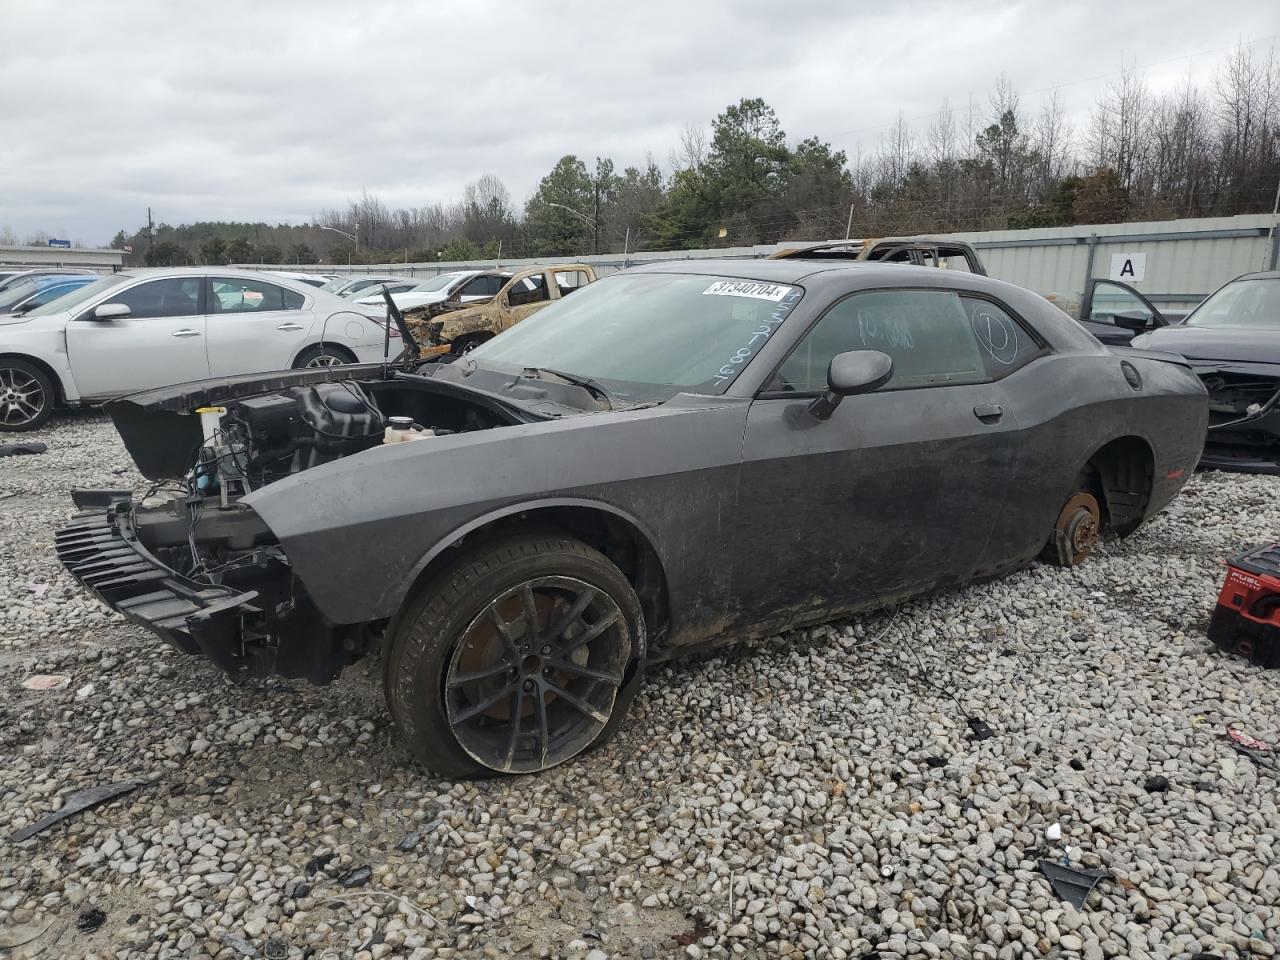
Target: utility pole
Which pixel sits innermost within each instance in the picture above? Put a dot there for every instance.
(151, 231)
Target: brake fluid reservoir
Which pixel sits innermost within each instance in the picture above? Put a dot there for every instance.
(401, 429)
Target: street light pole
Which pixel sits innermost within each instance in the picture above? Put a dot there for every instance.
(848, 229)
(581, 216)
(353, 238)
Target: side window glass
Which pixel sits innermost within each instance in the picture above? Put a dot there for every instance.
(170, 297)
(478, 287)
(292, 299)
(927, 333)
(529, 290)
(234, 295)
(1005, 344)
(570, 280)
(1111, 298)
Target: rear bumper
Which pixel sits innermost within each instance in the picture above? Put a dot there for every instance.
(99, 550)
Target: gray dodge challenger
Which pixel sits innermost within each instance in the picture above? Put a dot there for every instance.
(676, 456)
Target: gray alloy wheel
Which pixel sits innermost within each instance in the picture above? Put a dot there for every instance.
(322, 356)
(534, 678)
(519, 654)
(26, 396)
(325, 360)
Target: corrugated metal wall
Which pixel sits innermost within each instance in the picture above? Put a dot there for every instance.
(1185, 259)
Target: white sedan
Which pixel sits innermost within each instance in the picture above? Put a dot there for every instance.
(465, 286)
(142, 329)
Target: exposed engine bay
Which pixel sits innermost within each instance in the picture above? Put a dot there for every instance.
(261, 439)
(194, 546)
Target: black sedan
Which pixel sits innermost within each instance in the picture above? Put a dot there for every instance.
(676, 456)
(1232, 340)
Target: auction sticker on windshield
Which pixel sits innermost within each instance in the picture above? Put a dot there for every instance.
(747, 288)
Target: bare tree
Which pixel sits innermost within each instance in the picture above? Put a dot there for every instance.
(1051, 144)
(1118, 134)
(690, 151)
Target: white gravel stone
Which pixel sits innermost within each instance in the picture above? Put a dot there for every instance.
(836, 789)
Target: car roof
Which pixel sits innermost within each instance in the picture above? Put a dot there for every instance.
(153, 273)
(1260, 275)
(778, 271)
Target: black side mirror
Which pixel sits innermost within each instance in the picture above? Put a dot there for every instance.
(1135, 320)
(858, 371)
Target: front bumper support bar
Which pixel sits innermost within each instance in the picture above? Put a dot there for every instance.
(98, 548)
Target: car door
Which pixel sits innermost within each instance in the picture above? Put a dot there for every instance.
(255, 325)
(899, 490)
(159, 342)
(526, 294)
(1104, 299)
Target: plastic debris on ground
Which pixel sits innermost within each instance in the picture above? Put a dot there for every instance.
(1071, 884)
(77, 803)
(22, 449)
(90, 920)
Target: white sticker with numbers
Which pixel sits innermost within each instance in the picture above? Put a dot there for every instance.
(747, 288)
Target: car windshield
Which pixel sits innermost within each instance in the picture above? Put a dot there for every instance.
(1253, 304)
(358, 285)
(19, 291)
(48, 292)
(336, 284)
(649, 335)
(436, 283)
(77, 297)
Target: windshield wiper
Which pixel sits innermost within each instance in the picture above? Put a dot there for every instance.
(591, 386)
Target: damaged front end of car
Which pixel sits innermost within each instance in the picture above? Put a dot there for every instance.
(1244, 416)
(210, 582)
(192, 561)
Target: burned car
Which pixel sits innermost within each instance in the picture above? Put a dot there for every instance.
(458, 327)
(676, 456)
(1232, 341)
(920, 251)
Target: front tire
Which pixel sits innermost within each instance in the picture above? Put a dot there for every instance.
(26, 396)
(469, 342)
(515, 658)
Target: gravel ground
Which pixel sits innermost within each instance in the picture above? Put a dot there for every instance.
(811, 795)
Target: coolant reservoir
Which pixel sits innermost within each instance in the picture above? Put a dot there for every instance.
(401, 429)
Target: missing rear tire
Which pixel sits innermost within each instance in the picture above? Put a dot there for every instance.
(1076, 532)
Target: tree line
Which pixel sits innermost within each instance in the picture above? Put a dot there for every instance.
(1197, 151)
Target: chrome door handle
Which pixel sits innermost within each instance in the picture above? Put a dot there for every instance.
(988, 412)
(289, 326)
(186, 333)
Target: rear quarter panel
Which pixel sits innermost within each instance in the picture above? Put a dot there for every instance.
(1069, 407)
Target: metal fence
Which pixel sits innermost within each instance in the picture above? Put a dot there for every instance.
(1174, 263)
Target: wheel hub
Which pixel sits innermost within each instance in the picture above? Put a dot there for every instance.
(21, 397)
(532, 681)
(1076, 532)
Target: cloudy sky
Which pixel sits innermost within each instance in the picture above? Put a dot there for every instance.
(275, 110)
